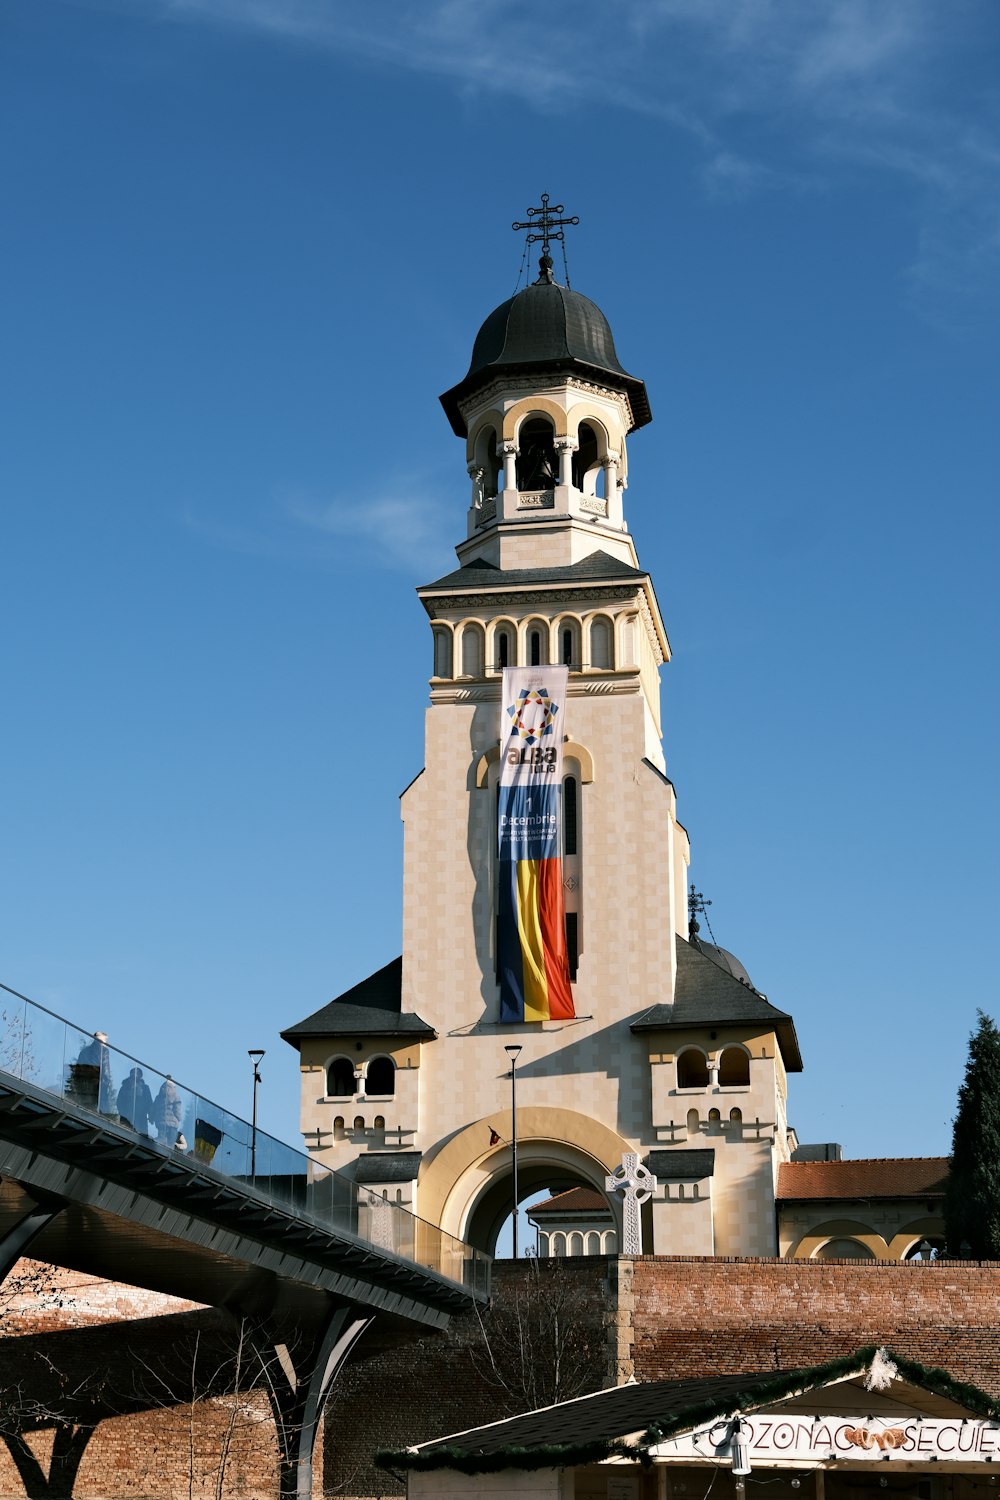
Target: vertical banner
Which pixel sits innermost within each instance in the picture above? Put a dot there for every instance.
(531, 930)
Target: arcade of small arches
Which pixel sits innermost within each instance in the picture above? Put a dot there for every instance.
(536, 446)
(595, 642)
(851, 1239)
(557, 1243)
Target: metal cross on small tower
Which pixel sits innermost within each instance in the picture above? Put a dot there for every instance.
(544, 224)
(636, 1184)
(696, 903)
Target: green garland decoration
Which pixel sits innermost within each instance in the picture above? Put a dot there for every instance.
(541, 1456)
(762, 1393)
(758, 1393)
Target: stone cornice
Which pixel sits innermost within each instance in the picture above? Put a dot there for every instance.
(573, 593)
(486, 395)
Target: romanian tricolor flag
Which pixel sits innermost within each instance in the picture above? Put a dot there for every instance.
(531, 931)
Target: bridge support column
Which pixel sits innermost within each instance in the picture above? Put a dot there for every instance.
(298, 1394)
(16, 1241)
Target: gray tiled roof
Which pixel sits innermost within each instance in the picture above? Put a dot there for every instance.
(371, 1008)
(656, 1410)
(708, 995)
(607, 1415)
(388, 1166)
(596, 567)
(681, 1165)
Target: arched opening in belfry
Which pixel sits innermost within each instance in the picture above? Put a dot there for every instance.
(488, 459)
(537, 464)
(587, 461)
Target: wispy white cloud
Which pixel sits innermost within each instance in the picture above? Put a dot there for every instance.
(401, 529)
(778, 94)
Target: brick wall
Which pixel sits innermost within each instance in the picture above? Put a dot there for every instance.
(395, 1393)
(149, 1399)
(654, 1317)
(687, 1317)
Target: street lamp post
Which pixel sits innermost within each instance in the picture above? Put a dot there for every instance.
(512, 1052)
(255, 1054)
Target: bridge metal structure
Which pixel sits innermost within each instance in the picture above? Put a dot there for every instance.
(235, 1219)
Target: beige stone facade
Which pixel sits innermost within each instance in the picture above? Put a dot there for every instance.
(673, 1054)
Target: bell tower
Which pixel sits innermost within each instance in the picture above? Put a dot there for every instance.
(546, 409)
(549, 581)
(548, 576)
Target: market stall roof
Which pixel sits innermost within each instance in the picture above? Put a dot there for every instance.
(630, 1421)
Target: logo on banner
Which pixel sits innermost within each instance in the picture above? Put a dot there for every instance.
(533, 714)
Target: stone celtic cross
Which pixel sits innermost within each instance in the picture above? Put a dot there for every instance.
(636, 1184)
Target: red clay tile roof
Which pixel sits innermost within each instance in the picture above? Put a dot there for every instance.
(884, 1177)
(574, 1201)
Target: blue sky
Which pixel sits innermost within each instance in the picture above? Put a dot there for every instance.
(246, 243)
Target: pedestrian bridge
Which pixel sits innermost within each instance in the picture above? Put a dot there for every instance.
(112, 1167)
(115, 1169)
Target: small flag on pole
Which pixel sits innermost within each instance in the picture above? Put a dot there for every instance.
(494, 1138)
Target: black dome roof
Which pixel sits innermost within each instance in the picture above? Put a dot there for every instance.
(552, 327)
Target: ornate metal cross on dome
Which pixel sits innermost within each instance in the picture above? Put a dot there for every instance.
(636, 1183)
(544, 224)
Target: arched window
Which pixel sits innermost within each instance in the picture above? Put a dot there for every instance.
(338, 1128)
(611, 1242)
(504, 644)
(359, 1123)
(575, 1246)
(558, 1243)
(340, 1081)
(736, 1117)
(692, 1069)
(571, 815)
(573, 868)
(442, 652)
(381, 1077)
(734, 1068)
(537, 464)
(693, 1122)
(472, 650)
(593, 1243)
(714, 1117)
(569, 645)
(537, 640)
(380, 1122)
(601, 652)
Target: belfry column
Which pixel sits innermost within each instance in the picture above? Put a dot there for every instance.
(612, 489)
(508, 452)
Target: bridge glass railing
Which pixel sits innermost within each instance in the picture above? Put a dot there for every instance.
(83, 1069)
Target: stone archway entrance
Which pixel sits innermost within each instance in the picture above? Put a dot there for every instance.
(494, 1204)
(466, 1186)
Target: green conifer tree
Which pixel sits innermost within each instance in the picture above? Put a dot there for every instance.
(972, 1201)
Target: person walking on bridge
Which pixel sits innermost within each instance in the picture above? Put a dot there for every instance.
(135, 1102)
(90, 1082)
(168, 1112)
